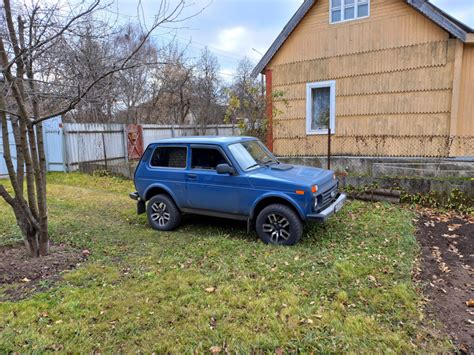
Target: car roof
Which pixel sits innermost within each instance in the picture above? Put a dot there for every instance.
(205, 140)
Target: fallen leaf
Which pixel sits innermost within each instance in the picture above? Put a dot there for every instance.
(215, 349)
(372, 278)
(470, 303)
(210, 289)
(453, 227)
(25, 279)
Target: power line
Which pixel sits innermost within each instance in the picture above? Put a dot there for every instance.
(198, 45)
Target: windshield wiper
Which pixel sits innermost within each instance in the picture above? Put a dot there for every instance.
(252, 166)
(267, 162)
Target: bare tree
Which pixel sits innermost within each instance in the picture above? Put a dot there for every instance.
(134, 86)
(246, 102)
(28, 34)
(173, 85)
(208, 90)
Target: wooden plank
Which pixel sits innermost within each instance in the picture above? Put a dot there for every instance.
(411, 80)
(378, 62)
(456, 93)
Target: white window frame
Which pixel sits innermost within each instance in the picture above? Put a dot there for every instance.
(332, 106)
(343, 6)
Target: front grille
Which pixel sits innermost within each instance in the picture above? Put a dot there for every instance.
(325, 199)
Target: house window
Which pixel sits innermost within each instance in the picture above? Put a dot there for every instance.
(347, 10)
(321, 107)
(169, 157)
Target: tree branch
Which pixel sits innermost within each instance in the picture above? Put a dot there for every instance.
(79, 97)
(19, 53)
(6, 196)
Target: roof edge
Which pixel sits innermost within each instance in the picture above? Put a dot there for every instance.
(283, 36)
(455, 27)
(450, 24)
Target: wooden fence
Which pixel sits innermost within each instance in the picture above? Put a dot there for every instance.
(69, 144)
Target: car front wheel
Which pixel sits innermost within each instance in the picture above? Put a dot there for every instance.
(163, 215)
(279, 224)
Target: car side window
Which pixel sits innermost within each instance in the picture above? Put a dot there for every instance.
(206, 158)
(169, 157)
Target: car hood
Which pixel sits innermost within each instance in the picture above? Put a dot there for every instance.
(295, 175)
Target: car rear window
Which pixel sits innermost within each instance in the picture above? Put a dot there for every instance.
(169, 157)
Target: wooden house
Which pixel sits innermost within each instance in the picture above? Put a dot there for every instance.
(388, 77)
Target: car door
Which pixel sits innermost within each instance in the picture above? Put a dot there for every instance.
(205, 188)
(167, 166)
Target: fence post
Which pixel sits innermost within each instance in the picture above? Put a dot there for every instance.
(65, 150)
(329, 148)
(105, 151)
(125, 143)
(172, 130)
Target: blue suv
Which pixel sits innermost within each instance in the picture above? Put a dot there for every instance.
(232, 177)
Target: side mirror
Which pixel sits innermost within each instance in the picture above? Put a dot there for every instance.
(225, 169)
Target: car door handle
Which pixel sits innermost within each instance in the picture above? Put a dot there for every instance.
(192, 176)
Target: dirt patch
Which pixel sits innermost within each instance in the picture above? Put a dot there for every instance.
(22, 275)
(447, 274)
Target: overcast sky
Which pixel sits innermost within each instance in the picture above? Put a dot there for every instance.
(233, 29)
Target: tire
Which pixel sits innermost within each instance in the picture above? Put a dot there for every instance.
(162, 213)
(279, 224)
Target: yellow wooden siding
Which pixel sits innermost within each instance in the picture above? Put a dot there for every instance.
(391, 60)
(394, 78)
(433, 146)
(466, 105)
(392, 24)
(420, 79)
(405, 125)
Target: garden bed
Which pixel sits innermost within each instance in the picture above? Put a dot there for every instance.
(447, 274)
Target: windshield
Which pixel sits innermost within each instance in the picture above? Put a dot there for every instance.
(251, 154)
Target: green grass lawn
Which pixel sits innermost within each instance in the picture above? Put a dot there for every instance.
(345, 287)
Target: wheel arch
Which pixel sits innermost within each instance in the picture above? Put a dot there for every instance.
(158, 189)
(270, 199)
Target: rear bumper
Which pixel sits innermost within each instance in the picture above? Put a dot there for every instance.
(329, 211)
(141, 206)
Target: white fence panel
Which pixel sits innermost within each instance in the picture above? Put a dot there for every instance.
(93, 142)
(53, 144)
(152, 133)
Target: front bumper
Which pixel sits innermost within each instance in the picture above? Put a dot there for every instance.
(335, 207)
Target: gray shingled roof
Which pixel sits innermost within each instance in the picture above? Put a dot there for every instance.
(453, 26)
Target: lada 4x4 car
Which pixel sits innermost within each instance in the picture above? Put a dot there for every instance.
(232, 177)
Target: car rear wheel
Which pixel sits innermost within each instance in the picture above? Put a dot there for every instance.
(163, 215)
(279, 224)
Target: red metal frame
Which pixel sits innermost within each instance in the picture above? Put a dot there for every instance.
(135, 141)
